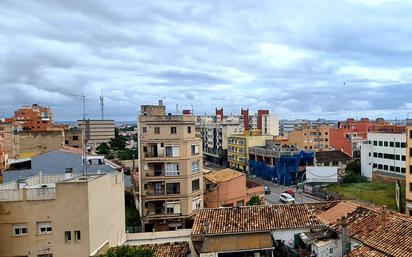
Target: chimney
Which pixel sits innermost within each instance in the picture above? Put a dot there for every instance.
(160, 102)
(384, 218)
(344, 224)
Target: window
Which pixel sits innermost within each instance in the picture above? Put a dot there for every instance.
(398, 169)
(157, 130)
(66, 142)
(172, 151)
(403, 170)
(385, 167)
(195, 185)
(403, 145)
(375, 142)
(392, 168)
(173, 130)
(172, 207)
(144, 129)
(375, 165)
(375, 154)
(391, 144)
(398, 157)
(380, 143)
(75, 138)
(195, 167)
(380, 155)
(195, 149)
(410, 184)
(172, 169)
(330, 250)
(398, 144)
(189, 130)
(196, 203)
(19, 229)
(403, 157)
(385, 143)
(44, 228)
(380, 166)
(173, 188)
(67, 236)
(410, 134)
(77, 235)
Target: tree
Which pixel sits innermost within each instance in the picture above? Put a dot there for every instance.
(128, 251)
(117, 143)
(254, 200)
(125, 154)
(103, 148)
(353, 173)
(353, 167)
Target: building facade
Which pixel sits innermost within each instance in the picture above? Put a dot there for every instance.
(62, 215)
(230, 188)
(34, 118)
(384, 152)
(310, 137)
(408, 174)
(238, 148)
(170, 169)
(97, 131)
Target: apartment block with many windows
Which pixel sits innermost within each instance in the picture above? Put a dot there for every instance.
(384, 152)
(311, 136)
(62, 215)
(171, 174)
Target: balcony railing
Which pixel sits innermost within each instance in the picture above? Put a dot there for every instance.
(159, 192)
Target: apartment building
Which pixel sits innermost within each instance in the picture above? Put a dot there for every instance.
(310, 136)
(97, 131)
(62, 215)
(73, 138)
(238, 148)
(408, 174)
(35, 118)
(214, 131)
(171, 170)
(384, 152)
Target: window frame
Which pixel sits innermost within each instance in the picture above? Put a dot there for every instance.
(21, 227)
(47, 225)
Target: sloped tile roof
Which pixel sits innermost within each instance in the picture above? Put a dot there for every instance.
(364, 251)
(254, 218)
(336, 212)
(331, 156)
(175, 249)
(223, 175)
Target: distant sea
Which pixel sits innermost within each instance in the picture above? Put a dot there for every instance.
(117, 122)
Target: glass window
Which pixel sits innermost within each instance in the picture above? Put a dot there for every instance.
(189, 130)
(173, 188)
(398, 157)
(195, 185)
(67, 236)
(144, 129)
(385, 143)
(403, 157)
(44, 228)
(77, 235)
(375, 154)
(195, 167)
(172, 169)
(157, 130)
(19, 229)
(391, 144)
(172, 207)
(380, 143)
(380, 166)
(403, 170)
(375, 142)
(196, 203)
(385, 167)
(195, 149)
(75, 138)
(172, 151)
(392, 168)
(397, 144)
(380, 155)
(403, 145)
(173, 130)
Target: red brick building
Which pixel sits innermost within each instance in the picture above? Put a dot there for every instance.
(351, 133)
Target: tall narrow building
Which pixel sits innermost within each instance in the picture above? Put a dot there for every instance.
(408, 174)
(170, 169)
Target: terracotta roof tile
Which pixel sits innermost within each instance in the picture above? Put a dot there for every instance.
(223, 175)
(337, 212)
(364, 251)
(176, 249)
(254, 218)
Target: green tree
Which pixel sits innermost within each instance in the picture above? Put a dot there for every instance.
(117, 143)
(254, 200)
(353, 173)
(103, 148)
(128, 251)
(125, 154)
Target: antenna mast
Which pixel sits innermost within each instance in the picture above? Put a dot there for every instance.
(102, 104)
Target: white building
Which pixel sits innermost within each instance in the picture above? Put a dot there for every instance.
(385, 152)
(270, 124)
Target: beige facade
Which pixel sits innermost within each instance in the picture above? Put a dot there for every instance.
(170, 169)
(408, 174)
(8, 137)
(238, 149)
(97, 131)
(27, 144)
(61, 216)
(314, 137)
(73, 138)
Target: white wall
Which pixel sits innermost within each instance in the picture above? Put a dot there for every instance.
(367, 153)
(288, 235)
(322, 174)
(270, 124)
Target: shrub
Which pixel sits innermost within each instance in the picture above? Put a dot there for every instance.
(128, 251)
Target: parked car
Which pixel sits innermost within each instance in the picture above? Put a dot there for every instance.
(286, 198)
(290, 191)
(267, 190)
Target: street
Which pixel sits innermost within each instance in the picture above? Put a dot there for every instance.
(276, 190)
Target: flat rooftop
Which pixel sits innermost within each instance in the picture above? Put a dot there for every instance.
(223, 175)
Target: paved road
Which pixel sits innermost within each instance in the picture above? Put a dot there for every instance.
(276, 190)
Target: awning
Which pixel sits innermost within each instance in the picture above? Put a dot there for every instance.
(240, 242)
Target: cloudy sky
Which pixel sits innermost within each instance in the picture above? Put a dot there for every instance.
(301, 59)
